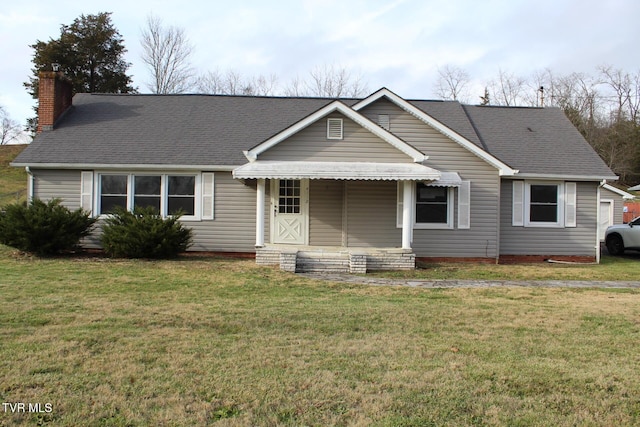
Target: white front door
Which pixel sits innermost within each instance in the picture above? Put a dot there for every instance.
(606, 216)
(289, 208)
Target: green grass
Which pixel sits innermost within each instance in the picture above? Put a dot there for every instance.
(202, 341)
(13, 181)
(610, 268)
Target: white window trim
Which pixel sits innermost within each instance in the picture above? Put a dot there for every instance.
(560, 205)
(164, 191)
(449, 225)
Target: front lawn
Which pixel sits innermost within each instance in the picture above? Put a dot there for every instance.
(610, 268)
(202, 341)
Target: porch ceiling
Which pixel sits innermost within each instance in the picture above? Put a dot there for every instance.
(337, 170)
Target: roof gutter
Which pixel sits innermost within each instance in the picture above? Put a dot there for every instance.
(568, 177)
(108, 166)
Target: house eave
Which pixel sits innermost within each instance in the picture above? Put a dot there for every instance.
(561, 177)
(624, 194)
(503, 168)
(125, 166)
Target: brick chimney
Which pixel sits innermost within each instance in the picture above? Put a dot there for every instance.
(54, 98)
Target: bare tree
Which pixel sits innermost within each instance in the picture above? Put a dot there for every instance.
(232, 82)
(166, 51)
(296, 87)
(507, 89)
(263, 85)
(452, 84)
(327, 81)
(212, 82)
(9, 129)
(625, 88)
(333, 82)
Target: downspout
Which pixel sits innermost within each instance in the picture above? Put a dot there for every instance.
(598, 221)
(30, 184)
(499, 219)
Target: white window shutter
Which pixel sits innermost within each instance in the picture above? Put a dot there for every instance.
(570, 204)
(86, 191)
(399, 204)
(207, 195)
(518, 204)
(464, 205)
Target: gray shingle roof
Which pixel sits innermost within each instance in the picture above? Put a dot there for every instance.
(214, 130)
(536, 141)
(165, 129)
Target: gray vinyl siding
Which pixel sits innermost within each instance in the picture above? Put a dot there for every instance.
(579, 240)
(234, 224)
(371, 214)
(481, 240)
(61, 184)
(618, 204)
(325, 212)
(358, 144)
(231, 230)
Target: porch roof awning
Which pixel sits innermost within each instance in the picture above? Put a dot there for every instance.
(447, 179)
(336, 170)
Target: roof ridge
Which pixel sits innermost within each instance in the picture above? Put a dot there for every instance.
(219, 95)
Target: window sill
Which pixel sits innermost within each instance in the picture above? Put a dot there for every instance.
(432, 227)
(543, 225)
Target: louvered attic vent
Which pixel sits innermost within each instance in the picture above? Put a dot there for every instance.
(383, 121)
(334, 128)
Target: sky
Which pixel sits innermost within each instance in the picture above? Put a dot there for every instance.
(398, 44)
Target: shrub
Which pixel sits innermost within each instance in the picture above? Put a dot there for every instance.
(43, 228)
(144, 234)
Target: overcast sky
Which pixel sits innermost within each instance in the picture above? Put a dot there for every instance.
(397, 44)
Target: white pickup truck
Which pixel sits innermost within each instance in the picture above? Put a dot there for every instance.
(618, 238)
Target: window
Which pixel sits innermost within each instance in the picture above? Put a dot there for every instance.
(334, 128)
(544, 204)
(167, 194)
(289, 197)
(431, 204)
(113, 193)
(182, 195)
(147, 192)
(434, 206)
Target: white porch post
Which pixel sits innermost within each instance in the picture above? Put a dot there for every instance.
(407, 222)
(260, 213)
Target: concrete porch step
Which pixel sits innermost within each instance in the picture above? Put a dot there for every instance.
(322, 262)
(312, 259)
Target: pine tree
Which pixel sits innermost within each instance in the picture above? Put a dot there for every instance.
(484, 100)
(90, 52)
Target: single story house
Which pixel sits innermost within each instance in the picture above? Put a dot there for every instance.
(354, 184)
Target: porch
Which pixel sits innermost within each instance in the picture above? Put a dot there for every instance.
(336, 259)
(344, 216)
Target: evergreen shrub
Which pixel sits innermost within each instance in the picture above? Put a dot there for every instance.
(43, 228)
(144, 234)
